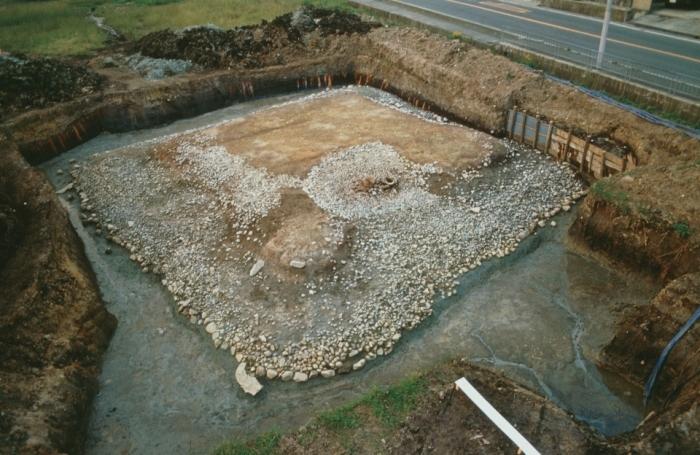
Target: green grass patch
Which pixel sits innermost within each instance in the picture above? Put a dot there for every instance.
(389, 406)
(265, 444)
(672, 116)
(606, 191)
(62, 27)
(527, 60)
(58, 27)
(682, 229)
(392, 405)
(343, 418)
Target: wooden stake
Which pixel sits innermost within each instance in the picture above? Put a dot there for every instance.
(568, 146)
(537, 132)
(550, 130)
(582, 165)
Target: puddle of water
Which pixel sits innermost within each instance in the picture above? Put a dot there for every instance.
(538, 315)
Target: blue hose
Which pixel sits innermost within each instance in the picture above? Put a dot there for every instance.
(649, 386)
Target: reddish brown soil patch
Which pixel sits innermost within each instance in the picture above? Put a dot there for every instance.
(53, 326)
(292, 139)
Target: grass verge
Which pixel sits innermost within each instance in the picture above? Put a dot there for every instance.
(58, 27)
(373, 416)
(265, 444)
(62, 27)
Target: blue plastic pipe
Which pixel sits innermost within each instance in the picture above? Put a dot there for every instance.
(649, 386)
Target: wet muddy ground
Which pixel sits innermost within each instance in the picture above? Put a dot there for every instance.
(540, 314)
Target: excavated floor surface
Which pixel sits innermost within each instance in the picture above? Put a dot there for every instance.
(306, 238)
(156, 355)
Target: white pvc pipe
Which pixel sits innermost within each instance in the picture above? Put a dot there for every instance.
(496, 417)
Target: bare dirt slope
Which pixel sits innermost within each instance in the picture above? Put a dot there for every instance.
(53, 325)
(441, 420)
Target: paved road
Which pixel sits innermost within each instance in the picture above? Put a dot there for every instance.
(651, 58)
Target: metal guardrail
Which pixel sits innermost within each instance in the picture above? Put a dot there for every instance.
(685, 85)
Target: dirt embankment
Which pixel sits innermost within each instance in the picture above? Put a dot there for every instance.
(53, 325)
(280, 41)
(652, 234)
(674, 426)
(432, 419)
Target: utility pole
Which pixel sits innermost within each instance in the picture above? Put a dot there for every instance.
(603, 35)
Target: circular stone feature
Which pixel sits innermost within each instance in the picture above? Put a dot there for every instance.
(361, 181)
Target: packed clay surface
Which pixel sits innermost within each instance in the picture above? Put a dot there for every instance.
(307, 237)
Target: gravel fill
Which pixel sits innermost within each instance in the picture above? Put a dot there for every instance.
(196, 215)
(157, 68)
(332, 183)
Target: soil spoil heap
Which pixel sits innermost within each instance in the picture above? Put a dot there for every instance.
(251, 46)
(29, 83)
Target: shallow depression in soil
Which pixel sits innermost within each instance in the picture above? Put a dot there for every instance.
(538, 314)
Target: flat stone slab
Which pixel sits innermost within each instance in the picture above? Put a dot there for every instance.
(248, 383)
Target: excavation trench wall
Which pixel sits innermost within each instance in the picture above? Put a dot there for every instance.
(42, 135)
(478, 86)
(643, 246)
(467, 84)
(644, 96)
(53, 325)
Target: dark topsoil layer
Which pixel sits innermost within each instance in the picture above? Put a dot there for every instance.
(252, 46)
(443, 420)
(27, 83)
(427, 415)
(53, 327)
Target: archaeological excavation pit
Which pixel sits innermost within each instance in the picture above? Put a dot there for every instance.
(307, 237)
(195, 259)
